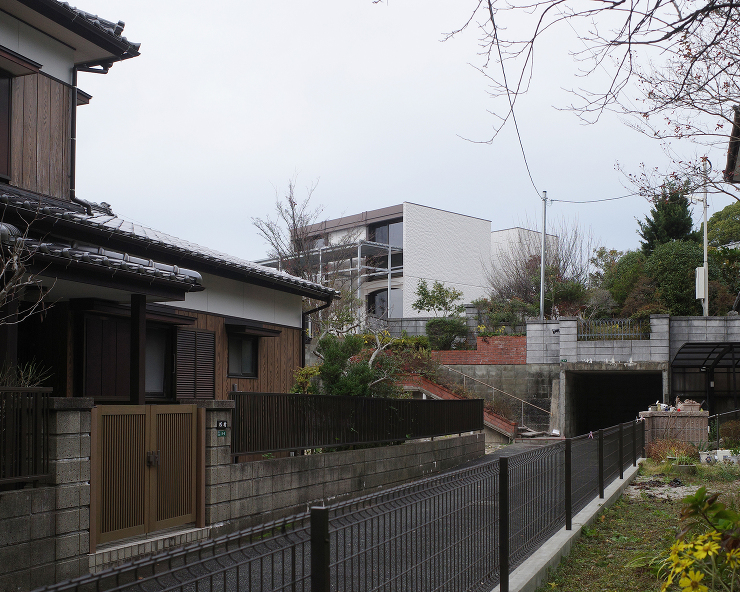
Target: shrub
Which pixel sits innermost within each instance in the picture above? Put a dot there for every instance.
(444, 332)
(730, 433)
(660, 450)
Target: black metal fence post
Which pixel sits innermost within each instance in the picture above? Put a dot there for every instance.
(621, 451)
(320, 551)
(634, 443)
(601, 464)
(568, 484)
(503, 524)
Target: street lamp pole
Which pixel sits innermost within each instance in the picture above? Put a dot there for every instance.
(542, 257)
(705, 303)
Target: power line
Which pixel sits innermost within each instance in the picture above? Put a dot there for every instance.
(594, 200)
(508, 96)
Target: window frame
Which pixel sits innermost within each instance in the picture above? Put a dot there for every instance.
(255, 354)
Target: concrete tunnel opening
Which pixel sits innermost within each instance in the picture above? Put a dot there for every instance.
(596, 400)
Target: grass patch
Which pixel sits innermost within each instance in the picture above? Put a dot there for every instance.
(634, 528)
(620, 534)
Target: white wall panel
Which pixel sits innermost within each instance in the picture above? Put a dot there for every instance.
(56, 58)
(238, 299)
(446, 247)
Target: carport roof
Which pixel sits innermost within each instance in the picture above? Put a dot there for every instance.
(708, 355)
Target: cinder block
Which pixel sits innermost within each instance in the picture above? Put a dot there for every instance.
(65, 422)
(68, 569)
(15, 557)
(64, 446)
(43, 551)
(66, 471)
(43, 499)
(43, 525)
(67, 546)
(18, 581)
(217, 494)
(42, 575)
(68, 496)
(15, 503)
(15, 530)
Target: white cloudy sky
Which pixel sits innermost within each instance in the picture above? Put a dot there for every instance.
(229, 100)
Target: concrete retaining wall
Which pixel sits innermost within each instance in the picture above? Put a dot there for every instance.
(244, 494)
(44, 530)
(532, 382)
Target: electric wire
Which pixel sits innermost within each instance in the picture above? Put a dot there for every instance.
(588, 201)
(508, 96)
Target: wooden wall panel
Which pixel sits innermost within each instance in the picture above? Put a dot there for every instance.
(279, 358)
(41, 121)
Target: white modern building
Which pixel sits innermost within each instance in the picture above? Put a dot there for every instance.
(388, 251)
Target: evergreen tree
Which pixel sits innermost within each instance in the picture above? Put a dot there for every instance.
(669, 218)
(724, 226)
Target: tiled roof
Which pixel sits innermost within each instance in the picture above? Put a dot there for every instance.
(101, 217)
(99, 257)
(109, 27)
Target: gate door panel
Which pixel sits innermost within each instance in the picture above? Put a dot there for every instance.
(123, 478)
(172, 488)
(145, 470)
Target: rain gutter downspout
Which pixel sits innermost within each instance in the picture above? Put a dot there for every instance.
(304, 316)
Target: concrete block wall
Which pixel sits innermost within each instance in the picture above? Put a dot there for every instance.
(543, 345)
(44, 530)
(241, 495)
(683, 329)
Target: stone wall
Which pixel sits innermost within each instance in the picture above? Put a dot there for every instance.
(44, 530)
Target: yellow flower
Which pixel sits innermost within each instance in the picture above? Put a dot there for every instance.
(690, 582)
(667, 583)
(701, 550)
(733, 558)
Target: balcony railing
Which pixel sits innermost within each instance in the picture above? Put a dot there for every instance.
(613, 329)
(24, 434)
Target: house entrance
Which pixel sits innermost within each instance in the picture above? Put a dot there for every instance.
(144, 469)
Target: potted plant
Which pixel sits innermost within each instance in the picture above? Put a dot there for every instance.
(684, 464)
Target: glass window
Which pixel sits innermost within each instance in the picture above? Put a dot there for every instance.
(388, 233)
(243, 355)
(156, 359)
(395, 234)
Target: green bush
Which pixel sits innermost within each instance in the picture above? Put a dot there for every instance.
(671, 266)
(444, 332)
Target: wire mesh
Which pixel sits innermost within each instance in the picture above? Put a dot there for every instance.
(611, 454)
(585, 471)
(536, 499)
(441, 535)
(273, 557)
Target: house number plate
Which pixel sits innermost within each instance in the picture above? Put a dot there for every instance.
(221, 424)
(221, 433)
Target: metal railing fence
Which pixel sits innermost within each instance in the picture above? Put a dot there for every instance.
(465, 530)
(613, 329)
(274, 422)
(716, 421)
(24, 434)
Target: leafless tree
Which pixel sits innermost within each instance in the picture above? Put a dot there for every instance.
(515, 274)
(295, 243)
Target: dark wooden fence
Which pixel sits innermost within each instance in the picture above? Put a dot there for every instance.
(273, 422)
(24, 434)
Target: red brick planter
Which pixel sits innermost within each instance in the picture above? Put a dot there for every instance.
(501, 349)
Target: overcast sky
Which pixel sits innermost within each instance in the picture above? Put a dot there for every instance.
(229, 100)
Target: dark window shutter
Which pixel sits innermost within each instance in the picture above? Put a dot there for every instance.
(196, 365)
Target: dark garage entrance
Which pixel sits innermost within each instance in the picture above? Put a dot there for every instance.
(600, 399)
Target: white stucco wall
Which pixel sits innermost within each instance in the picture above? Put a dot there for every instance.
(446, 247)
(510, 241)
(237, 299)
(57, 59)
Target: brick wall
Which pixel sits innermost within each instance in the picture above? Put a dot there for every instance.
(44, 530)
(502, 349)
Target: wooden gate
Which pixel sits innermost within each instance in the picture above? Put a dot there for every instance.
(145, 472)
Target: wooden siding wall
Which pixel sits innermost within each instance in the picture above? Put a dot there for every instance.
(40, 135)
(279, 357)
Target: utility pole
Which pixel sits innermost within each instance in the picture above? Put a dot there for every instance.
(542, 257)
(705, 302)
